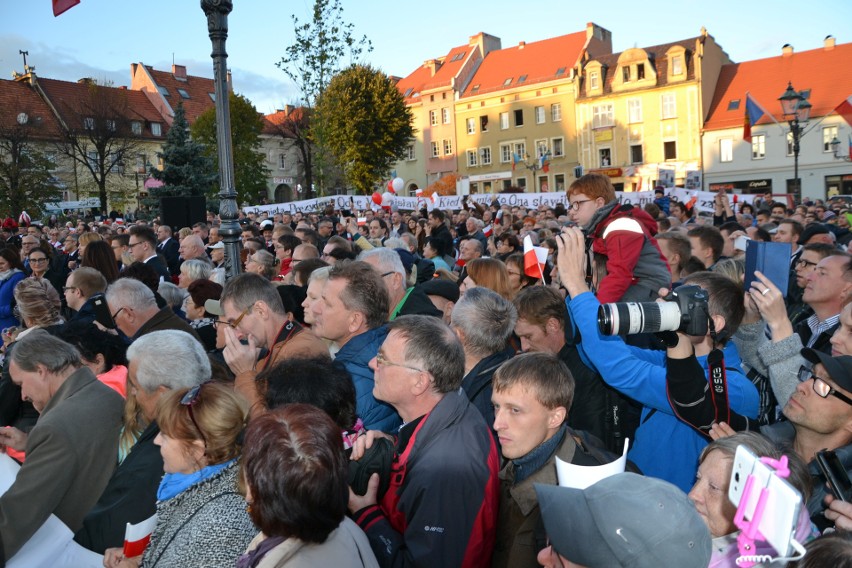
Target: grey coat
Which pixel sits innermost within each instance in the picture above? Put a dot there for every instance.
(205, 526)
(779, 361)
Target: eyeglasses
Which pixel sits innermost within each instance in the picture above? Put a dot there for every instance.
(66, 288)
(805, 263)
(115, 315)
(189, 400)
(821, 387)
(575, 205)
(382, 361)
(38, 260)
(236, 322)
(131, 245)
(388, 273)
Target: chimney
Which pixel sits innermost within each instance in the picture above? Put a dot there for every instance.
(230, 83)
(87, 81)
(179, 72)
(829, 42)
(787, 50)
(521, 44)
(433, 65)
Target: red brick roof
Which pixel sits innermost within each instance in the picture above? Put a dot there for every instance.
(18, 97)
(67, 98)
(535, 62)
(656, 57)
(825, 72)
(198, 89)
(273, 123)
(422, 79)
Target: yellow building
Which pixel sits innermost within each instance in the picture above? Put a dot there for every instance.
(643, 110)
(514, 119)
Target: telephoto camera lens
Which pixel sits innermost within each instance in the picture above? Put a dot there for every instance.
(630, 318)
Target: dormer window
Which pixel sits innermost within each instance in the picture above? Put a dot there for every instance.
(89, 123)
(640, 71)
(163, 91)
(625, 73)
(136, 127)
(677, 65)
(156, 129)
(110, 125)
(594, 80)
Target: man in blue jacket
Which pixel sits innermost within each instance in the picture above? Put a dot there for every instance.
(664, 447)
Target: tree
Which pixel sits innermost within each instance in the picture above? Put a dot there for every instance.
(250, 171)
(26, 181)
(367, 122)
(310, 62)
(98, 134)
(187, 169)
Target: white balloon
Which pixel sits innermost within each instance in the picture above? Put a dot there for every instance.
(398, 184)
(387, 199)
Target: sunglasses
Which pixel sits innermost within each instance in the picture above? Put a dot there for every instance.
(189, 400)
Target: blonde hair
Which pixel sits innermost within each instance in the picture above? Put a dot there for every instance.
(87, 238)
(38, 301)
(183, 233)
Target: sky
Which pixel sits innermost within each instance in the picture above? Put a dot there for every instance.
(101, 38)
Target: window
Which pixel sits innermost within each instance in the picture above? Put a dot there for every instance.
(539, 115)
(282, 162)
(409, 152)
(485, 156)
(433, 117)
(505, 153)
(156, 129)
(445, 115)
(521, 183)
(507, 82)
(734, 104)
(669, 106)
(212, 96)
(726, 150)
(594, 82)
(141, 162)
(677, 65)
(634, 111)
(520, 148)
(636, 156)
(504, 120)
(670, 150)
(92, 158)
(471, 125)
(625, 73)
(540, 148)
(163, 91)
(136, 127)
(559, 182)
(519, 117)
(640, 71)
(758, 146)
(556, 112)
(602, 116)
(89, 123)
(471, 158)
(183, 94)
(110, 125)
(483, 123)
(408, 92)
(558, 147)
(51, 158)
(448, 147)
(522, 79)
(436, 152)
(789, 144)
(829, 133)
(605, 157)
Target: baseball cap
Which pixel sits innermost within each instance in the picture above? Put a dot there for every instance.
(218, 245)
(812, 230)
(839, 368)
(439, 287)
(214, 307)
(625, 520)
(266, 224)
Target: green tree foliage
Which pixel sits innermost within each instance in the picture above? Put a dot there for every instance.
(319, 51)
(26, 181)
(187, 169)
(250, 172)
(367, 123)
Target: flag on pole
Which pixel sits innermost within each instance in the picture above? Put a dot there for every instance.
(844, 109)
(753, 113)
(850, 147)
(136, 536)
(515, 159)
(534, 259)
(60, 6)
(543, 163)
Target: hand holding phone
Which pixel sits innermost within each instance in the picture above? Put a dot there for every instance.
(102, 313)
(835, 474)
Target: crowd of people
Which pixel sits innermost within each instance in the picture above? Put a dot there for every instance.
(399, 388)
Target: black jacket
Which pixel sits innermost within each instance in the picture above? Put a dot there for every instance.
(86, 313)
(129, 497)
(157, 264)
(419, 303)
(477, 384)
(169, 251)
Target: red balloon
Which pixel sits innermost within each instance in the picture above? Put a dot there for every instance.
(377, 198)
(390, 186)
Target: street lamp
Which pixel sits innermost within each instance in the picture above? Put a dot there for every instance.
(797, 111)
(835, 148)
(539, 163)
(217, 28)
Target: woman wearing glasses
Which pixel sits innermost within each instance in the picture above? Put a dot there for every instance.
(40, 260)
(201, 516)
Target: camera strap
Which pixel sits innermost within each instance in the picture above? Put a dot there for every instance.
(718, 382)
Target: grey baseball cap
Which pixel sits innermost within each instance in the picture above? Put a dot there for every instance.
(625, 520)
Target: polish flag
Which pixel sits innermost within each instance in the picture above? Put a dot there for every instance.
(136, 537)
(534, 259)
(434, 197)
(488, 231)
(844, 109)
(418, 192)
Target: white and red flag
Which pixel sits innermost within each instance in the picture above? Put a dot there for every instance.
(534, 259)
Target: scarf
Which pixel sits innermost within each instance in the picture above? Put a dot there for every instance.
(6, 274)
(527, 465)
(173, 484)
(253, 557)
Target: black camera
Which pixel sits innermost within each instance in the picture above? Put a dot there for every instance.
(685, 309)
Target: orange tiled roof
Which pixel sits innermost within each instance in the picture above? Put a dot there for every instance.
(656, 57)
(422, 79)
(18, 97)
(535, 62)
(824, 72)
(198, 90)
(272, 123)
(67, 96)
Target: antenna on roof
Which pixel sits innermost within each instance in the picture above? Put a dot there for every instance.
(25, 53)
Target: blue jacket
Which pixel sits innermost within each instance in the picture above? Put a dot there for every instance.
(664, 447)
(356, 356)
(7, 289)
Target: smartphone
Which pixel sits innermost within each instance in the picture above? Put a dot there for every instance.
(835, 474)
(778, 523)
(102, 313)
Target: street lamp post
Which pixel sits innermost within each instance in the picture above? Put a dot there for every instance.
(217, 27)
(835, 150)
(797, 111)
(534, 165)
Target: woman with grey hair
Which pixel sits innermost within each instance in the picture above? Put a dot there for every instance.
(264, 263)
(192, 270)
